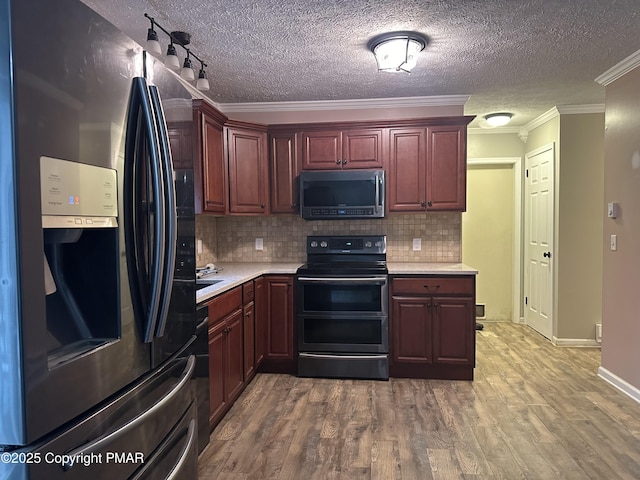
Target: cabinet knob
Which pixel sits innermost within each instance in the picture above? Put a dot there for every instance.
(338, 161)
(429, 203)
(423, 204)
(262, 205)
(344, 162)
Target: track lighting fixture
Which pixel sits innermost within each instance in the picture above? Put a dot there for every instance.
(187, 71)
(171, 59)
(203, 81)
(153, 45)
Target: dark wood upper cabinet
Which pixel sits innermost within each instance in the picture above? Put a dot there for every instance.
(447, 167)
(284, 168)
(248, 173)
(210, 166)
(406, 181)
(338, 149)
(428, 167)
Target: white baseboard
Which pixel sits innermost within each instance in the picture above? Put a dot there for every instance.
(620, 384)
(574, 342)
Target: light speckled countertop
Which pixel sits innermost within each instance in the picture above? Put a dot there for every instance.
(421, 268)
(234, 274)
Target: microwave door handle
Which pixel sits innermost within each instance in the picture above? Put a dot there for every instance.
(377, 193)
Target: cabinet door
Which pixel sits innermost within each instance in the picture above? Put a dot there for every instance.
(181, 144)
(322, 150)
(247, 171)
(217, 367)
(234, 380)
(213, 167)
(446, 168)
(284, 171)
(454, 330)
(248, 325)
(406, 181)
(362, 148)
(411, 330)
(260, 320)
(279, 293)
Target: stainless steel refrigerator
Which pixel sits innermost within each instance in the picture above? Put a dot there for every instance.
(97, 294)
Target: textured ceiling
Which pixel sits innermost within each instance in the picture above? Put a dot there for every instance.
(519, 56)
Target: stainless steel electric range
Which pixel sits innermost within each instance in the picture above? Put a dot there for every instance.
(343, 308)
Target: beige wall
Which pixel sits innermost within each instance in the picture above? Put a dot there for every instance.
(484, 145)
(488, 235)
(578, 140)
(580, 204)
(621, 272)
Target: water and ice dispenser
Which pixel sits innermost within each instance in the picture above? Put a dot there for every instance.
(79, 220)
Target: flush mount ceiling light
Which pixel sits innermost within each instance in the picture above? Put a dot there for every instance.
(498, 119)
(397, 51)
(171, 60)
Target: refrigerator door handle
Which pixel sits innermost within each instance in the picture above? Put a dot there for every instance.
(105, 440)
(177, 468)
(171, 218)
(145, 285)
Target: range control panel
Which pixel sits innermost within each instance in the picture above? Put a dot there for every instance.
(347, 244)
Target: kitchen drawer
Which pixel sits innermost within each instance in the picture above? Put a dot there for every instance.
(429, 285)
(247, 292)
(224, 304)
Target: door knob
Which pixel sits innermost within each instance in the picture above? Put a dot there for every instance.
(547, 254)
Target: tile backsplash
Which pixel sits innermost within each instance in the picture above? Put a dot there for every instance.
(233, 239)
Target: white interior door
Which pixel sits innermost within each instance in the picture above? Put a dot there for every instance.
(539, 239)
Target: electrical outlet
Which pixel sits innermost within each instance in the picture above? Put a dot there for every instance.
(417, 244)
(259, 244)
(199, 247)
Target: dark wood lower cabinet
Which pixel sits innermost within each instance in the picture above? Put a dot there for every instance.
(226, 359)
(432, 332)
(279, 335)
(432, 327)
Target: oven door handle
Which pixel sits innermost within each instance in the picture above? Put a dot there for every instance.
(345, 357)
(367, 280)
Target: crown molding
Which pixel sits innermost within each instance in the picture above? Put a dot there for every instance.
(294, 106)
(617, 71)
(580, 109)
(492, 131)
(542, 119)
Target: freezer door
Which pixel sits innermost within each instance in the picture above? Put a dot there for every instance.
(118, 440)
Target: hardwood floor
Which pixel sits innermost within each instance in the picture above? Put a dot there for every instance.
(534, 411)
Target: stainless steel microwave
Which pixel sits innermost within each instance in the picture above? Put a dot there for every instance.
(342, 194)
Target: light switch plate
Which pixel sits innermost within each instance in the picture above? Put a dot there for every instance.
(199, 247)
(614, 243)
(417, 244)
(259, 244)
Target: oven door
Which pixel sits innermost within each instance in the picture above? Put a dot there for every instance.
(342, 295)
(343, 333)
